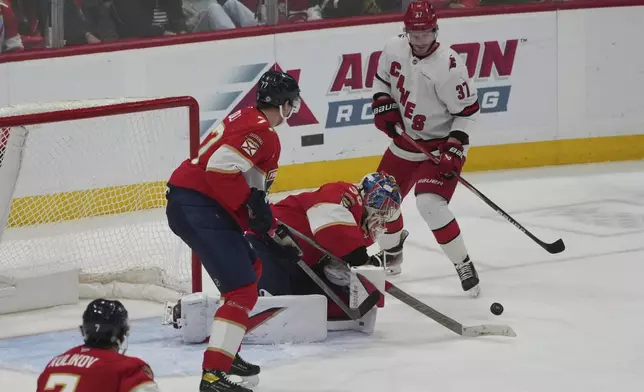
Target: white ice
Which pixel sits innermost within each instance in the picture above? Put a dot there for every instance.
(578, 315)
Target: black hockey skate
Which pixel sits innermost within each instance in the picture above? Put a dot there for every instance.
(218, 381)
(469, 277)
(248, 372)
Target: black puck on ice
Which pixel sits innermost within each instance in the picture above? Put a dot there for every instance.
(496, 308)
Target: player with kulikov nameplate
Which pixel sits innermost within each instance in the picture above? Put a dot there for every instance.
(215, 197)
(424, 88)
(100, 363)
(342, 218)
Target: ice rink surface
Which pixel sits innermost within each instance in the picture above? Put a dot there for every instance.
(578, 315)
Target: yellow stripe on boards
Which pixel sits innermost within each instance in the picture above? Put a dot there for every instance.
(498, 157)
(555, 152)
(33, 210)
(114, 200)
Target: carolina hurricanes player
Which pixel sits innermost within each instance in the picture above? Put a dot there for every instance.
(343, 218)
(424, 87)
(99, 365)
(214, 198)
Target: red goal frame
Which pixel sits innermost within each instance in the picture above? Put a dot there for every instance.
(145, 105)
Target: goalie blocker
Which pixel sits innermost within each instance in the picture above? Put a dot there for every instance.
(278, 319)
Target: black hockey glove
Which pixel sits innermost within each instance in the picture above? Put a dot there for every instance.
(290, 250)
(260, 216)
(358, 257)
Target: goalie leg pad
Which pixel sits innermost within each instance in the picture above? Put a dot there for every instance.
(273, 320)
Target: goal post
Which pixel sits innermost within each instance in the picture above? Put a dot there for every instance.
(82, 189)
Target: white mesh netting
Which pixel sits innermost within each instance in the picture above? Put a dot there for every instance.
(89, 194)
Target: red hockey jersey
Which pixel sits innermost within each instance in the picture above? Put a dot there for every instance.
(239, 154)
(84, 369)
(331, 215)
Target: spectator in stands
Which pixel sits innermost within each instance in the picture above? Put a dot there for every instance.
(10, 40)
(148, 18)
(30, 15)
(454, 3)
(88, 22)
(209, 15)
(307, 10)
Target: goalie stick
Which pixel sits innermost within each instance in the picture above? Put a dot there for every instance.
(554, 247)
(440, 318)
(355, 314)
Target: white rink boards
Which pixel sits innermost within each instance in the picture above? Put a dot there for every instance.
(577, 314)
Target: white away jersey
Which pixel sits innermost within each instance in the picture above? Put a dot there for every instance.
(435, 94)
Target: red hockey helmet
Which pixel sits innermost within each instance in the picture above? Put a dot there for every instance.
(421, 27)
(420, 15)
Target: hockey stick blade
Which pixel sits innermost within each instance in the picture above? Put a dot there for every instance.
(446, 321)
(553, 248)
(556, 247)
(488, 330)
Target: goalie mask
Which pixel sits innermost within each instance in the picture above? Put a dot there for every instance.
(381, 199)
(105, 325)
(421, 27)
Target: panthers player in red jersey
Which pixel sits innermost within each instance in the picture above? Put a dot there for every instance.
(425, 88)
(214, 198)
(343, 218)
(99, 365)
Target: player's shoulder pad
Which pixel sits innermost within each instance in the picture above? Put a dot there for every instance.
(136, 364)
(441, 65)
(257, 122)
(147, 370)
(396, 45)
(143, 367)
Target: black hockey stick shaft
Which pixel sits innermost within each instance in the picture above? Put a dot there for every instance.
(554, 247)
(355, 314)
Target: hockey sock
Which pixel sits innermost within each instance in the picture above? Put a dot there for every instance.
(229, 328)
(435, 210)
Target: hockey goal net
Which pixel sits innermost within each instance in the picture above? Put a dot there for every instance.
(82, 185)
